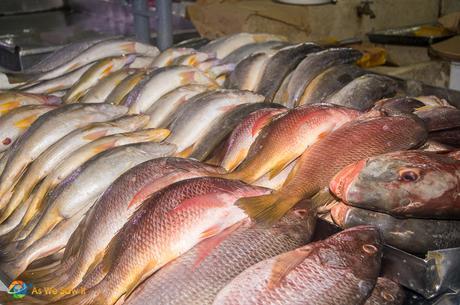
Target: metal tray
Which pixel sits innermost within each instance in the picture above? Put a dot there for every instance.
(405, 36)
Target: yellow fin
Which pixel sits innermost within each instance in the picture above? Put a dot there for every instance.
(278, 168)
(107, 70)
(285, 263)
(26, 122)
(104, 146)
(237, 160)
(95, 135)
(425, 108)
(8, 106)
(186, 152)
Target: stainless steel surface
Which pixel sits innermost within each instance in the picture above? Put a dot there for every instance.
(164, 28)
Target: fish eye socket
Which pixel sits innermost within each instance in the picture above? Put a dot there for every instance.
(408, 176)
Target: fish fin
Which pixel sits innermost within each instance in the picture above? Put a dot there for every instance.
(102, 147)
(107, 70)
(73, 67)
(266, 209)
(237, 160)
(187, 77)
(55, 88)
(322, 198)
(142, 195)
(158, 134)
(292, 173)
(7, 107)
(425, 108)
(210, 244)
(284, 264)
(323, 135)
(186, 152)
(95, 135)
(212, 231)
(26, 122)
(261, 123)
(129, 47)
(278, 168)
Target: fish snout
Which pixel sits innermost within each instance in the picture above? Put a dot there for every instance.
(340, 184)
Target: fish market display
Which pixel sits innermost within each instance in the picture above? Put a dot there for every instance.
(196, 175)
(348, 261)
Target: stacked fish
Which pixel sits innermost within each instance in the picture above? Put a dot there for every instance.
(103, 203)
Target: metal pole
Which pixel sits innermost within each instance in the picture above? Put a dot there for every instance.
(164, 27)
(141, 21)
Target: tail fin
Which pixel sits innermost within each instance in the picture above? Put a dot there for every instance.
(266, 209)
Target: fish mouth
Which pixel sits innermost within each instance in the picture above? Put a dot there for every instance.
(339, 214)
(342, 181)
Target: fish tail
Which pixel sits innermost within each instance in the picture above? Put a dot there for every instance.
(267, 209)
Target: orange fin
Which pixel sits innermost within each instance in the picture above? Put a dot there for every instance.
(95, 135)
(186, 152)
(104, 146)
(237, 160)
(285, 263)
(129, 47)
(107, 70)
(6, 107)
(278, 168)
(187, 77)
(323, 135)
(142, 195)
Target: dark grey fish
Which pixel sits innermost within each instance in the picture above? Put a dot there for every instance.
(281, 94)
(329, 82)
(364, 91)
(397, 105)
(221, 127)
(440, 118)
(248, 72)
(386, 292)
(313, 65)
(195, 43)
(413, 235)
(448, 137)
(280, 65)
(253, 48)
(196, 277)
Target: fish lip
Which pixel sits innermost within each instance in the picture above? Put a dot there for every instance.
(339, 214)
(341, 183)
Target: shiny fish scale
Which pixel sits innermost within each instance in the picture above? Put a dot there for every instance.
(197, 285)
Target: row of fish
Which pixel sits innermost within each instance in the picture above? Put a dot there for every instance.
(90, 201)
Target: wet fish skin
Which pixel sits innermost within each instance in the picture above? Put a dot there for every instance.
(192, 120)
(43, 133)
(161, 113)
(167, 57)
(404, 184)
(245, 133)
(162, 81)
(55, 154)
(287, 137)
(225, 45)
(79, 157)
(194, 59)
(280, 65)
(362, 92)
(449, 137)
(196, 277)
(86, 183)
(386, 292)
(248, 73)
(221, 127)
(10, 100)
(281, 94)
(313, 65)
(329, 82)
(440, 118)
(397, 105)
(15, 123)
(324, 159)
(129, 83)
(348, 261)
(93, 75)
(116, 206)
(259, 47)
(168, 224)
(101, 90)
(413, 235)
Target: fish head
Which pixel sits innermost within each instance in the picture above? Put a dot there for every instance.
(362, 252)
(299, 222)
(398, 183)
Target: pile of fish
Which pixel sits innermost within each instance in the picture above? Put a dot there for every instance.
(195, 176)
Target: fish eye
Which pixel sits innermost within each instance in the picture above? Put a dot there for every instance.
(408, 176)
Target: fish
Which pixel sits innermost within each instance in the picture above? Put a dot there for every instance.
(10, 100)
(349, 261)
(220, 70)
(245, 133)
(225, 45)
(142, 62)
(287, 137)
(115, 207)
(154, 236)
(55, 154)
(119, 92)
(161, 112)
(386, 292)
(313, 65)
(404, 184)
(329, 82)
(281, 94)
(413, 235)
(353, 141)
(85, 184)
(93, 75)
(193, 59)
(449, 137)
(101, 90)
(248, 73)
(241, 53)
(48, 129)
(15, 123)
(221, 127)
(196, 277)
(362, 92)
(97, 52)
(434, 146)
(77, 159)
(397, 105)
(280, 65)
(167, 57)
(57, 84)
(276, 182)
(439, 118)
(192, 120)
(195, 43)
(160, 82)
